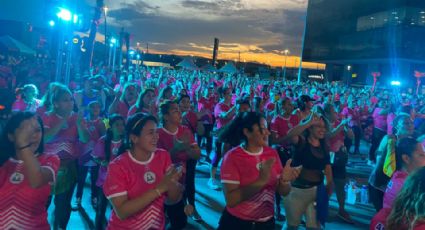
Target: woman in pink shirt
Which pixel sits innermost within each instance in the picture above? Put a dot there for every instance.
(408, 210)
(410, 155)
(25, 174)
(107, 148)
(63, 129)
(139, 181)
(179, 141)
(224, 112)
(380, 128)
(251, 174)
(123, 102)
(337, 130)
(28, 100)
(145, 103)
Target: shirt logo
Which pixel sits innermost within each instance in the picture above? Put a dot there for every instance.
(115, 151)
(16, 178)
(379, 227)
(258, 166)
(149, 177)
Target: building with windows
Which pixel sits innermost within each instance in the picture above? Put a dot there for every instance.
(355, 38)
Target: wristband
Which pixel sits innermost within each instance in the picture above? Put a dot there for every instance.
(24, 147)
(158, 192)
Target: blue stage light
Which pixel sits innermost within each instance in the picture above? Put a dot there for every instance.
(395, 83)
(64, 14)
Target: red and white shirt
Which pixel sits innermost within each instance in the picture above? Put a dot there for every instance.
(21, 206)
(65, 141)
(242, 167)
(221, 108)
(99, 153)
(130, 177)
(166, 141)
(281, 125)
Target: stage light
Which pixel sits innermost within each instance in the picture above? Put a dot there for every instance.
(64, 14)
(131, 52)
(51, 23)
(113, 40)
(75, 19)
(395, 83)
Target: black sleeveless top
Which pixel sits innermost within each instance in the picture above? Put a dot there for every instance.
(313, 159)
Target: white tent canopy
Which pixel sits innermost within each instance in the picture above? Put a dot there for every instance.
(187, 63)
(229, 68)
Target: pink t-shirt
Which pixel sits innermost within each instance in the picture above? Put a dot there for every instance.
(221, 108)
(166, 141)
(122, 109)
(207, 104)
(281, 125)
(128, 176)
(394, 187)
(99, 152)
(64, 143)
(269, 107)
(390, 119)
(21, 206)
(336, 142)
(190, 120)
(379, 121)
(133, 110)
(21, 105)
(94, 128)
(242, 168)
(353, 114)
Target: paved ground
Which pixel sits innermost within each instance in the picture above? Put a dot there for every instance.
(210, 203)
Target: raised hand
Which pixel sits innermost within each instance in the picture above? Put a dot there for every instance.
(171, 176)
(24, 135)
(290, 173)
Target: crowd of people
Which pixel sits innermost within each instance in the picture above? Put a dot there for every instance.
(140, 133)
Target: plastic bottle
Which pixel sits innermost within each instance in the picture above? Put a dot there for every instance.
(352, 193)
(364, 195)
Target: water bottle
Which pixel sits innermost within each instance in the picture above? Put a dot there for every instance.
(364, 195)
(352, 193)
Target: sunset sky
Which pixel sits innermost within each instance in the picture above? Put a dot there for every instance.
(259, 29)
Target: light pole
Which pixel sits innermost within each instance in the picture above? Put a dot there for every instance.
(65, 16)
(105, 12)
(284, 68)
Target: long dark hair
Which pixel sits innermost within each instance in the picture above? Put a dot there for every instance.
(233, 134)
(134, 126)
(109, 135)
(7, 147)
(140, 104)
(409, 205)
(404, 146)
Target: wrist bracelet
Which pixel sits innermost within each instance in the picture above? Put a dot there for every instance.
(24, 147)
(158, 192)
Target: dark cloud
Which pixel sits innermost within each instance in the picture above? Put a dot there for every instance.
(273, 29)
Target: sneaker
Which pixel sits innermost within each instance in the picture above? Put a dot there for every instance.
(213, 184)
(196, 217)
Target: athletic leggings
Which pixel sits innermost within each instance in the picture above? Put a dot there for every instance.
(190, 181)
(102, 203)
